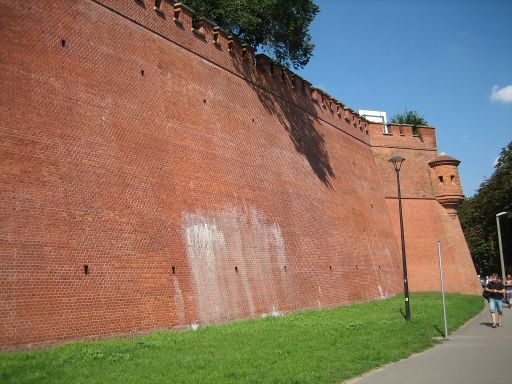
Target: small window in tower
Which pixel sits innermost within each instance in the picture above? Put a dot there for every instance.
(441, 181)
(452, 179)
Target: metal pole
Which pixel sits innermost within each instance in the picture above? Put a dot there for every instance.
(406, 283)
(442, 288)
(501, 249)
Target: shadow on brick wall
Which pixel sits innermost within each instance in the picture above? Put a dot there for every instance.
(299, 122)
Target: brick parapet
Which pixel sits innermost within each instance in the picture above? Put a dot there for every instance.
(402, 136)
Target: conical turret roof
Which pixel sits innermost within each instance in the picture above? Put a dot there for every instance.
(443, 159)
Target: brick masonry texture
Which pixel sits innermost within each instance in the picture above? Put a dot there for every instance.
(425, 220)
(152, 179)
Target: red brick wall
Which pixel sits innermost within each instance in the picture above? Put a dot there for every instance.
(131, 145)
(425, 220)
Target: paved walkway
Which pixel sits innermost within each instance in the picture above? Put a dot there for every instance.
(476, 353)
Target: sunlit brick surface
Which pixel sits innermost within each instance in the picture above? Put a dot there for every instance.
(425, 220)
(191, 185)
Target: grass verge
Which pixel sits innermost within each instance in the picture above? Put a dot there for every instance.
(317, 346)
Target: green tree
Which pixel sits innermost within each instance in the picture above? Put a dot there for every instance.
(410, 117)
(279, 28)
(478, 216)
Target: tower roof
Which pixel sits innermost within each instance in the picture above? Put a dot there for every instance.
(443, 159)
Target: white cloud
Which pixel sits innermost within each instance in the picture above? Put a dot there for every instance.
(503, 95)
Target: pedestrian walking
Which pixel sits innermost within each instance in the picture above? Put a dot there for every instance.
(508, 290)
(496, 291)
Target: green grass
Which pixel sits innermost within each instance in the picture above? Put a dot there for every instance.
(317, 346)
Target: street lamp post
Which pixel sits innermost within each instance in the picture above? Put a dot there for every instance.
(501, 246)
(397, 164)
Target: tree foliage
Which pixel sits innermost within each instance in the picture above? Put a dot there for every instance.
(409, 117)
(478, 217)
(279, 28)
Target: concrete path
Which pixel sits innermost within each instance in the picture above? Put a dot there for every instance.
(476, 353)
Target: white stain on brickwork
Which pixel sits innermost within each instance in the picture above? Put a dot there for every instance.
(178, 297)
(274, 313)
(205, 243)
(237, 261)
(382, 295)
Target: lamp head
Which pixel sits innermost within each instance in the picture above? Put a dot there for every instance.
(397, 162)
(501, 214)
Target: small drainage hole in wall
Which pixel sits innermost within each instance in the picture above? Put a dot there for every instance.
(142, 72)
(173, 270)
(63, 43)
(86, 269)
(236, 269)
(285, 269)
(330, 267)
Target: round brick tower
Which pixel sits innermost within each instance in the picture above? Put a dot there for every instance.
(445, 176)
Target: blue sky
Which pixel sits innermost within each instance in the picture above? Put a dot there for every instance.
(441, 58)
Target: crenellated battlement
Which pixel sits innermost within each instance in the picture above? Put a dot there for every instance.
(176, 22)
(402, 136)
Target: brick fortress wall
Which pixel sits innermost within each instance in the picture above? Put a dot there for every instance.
(154, 176)
(425, 220)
